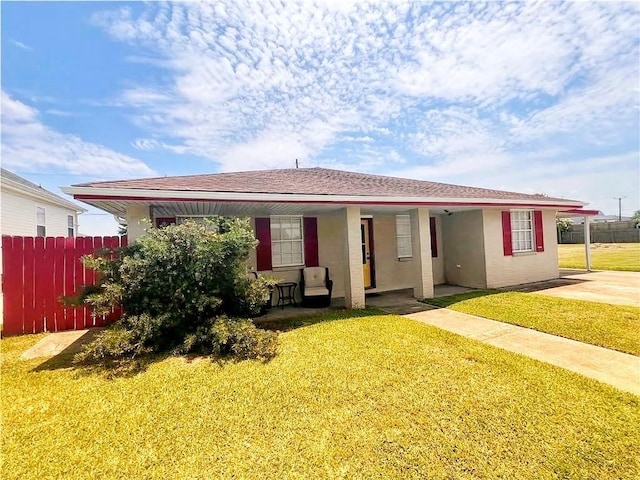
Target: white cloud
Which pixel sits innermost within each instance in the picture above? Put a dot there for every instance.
(595, 180)
(28, 144)
(146, 144)
(456, 91)
(21, 45)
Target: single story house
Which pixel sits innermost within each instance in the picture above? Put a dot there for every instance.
(31, 211)
(374, 233)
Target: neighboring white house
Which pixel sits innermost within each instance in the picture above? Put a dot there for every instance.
(374, 233)
(31, 211)
(28, 210)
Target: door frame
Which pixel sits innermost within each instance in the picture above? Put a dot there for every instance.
(372, 256)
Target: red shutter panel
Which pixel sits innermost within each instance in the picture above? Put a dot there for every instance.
(164, 221)
(310, 226)
(434, 237)
(537, 221)
(506, 233)
(263, 250)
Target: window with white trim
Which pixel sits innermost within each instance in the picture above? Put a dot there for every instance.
(403, 236)
(287, 243)
(41, 224)
(70, 226)
(522, 230)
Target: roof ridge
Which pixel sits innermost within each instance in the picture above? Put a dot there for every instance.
(201, 175)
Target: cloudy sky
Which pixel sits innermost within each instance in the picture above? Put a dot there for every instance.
(538, 98)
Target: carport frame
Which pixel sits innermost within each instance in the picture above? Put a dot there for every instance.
(587, 214)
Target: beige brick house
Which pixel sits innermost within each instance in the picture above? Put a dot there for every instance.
(374, 233)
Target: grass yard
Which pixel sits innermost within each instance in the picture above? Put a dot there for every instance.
(610, 326)
(368, 397)
(604, 256)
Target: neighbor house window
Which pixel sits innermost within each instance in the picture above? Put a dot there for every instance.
(287, 245)
(403, 236)
(41, 228)
(70, 226)
(522, 230)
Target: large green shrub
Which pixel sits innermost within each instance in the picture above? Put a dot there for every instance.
(181, 287)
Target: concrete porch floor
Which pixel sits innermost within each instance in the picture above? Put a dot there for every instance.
(400, 302)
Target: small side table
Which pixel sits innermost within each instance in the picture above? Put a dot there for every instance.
(286, 294)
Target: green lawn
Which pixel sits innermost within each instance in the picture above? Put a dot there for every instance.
(610, 326)
(604, 256)
(368, 397)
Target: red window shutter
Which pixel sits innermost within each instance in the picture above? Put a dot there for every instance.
(164, 221)
(263, 250)
(310, 225)
(537, 222)
(506, 233)
(434, 236)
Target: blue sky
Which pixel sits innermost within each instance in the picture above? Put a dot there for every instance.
(537, 98)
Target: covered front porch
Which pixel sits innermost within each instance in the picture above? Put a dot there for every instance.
(368, 249)
(371, 248)
(399, 302)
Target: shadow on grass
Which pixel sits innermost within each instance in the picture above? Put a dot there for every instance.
(304, 320)
(524, 288)
(116, 368)
(545, 285)
(444, 302)
(128, 367)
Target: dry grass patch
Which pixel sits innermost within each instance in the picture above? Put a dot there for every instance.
(369, 397)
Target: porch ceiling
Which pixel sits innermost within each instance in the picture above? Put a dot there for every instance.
(206, 208)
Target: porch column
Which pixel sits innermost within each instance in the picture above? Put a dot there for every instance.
(354, 278)
(138, 220)
(421, 248)
(587, 242)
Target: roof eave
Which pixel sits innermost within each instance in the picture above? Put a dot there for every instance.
(93, 193)
(44, 196)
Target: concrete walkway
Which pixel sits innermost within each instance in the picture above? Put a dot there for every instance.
(68, 342)
(618, 369)
(618, 288)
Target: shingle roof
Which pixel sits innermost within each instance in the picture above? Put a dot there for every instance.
(28, 186)
(313, 181)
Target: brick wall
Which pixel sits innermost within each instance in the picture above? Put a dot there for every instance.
(504, 270)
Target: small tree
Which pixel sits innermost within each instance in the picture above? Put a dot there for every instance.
(563, 225)
(636, 218)
(181, 287)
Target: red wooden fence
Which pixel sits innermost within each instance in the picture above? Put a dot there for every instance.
(36, 272)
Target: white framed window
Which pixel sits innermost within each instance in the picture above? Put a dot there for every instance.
(403, 236)
(71, 230)
(522, 230)
(41, 222)
(287, 242)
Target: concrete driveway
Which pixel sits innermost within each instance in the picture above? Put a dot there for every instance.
(618, 288)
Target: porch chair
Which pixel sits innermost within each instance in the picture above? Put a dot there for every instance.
(315, 287)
